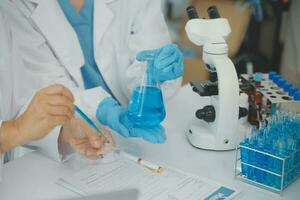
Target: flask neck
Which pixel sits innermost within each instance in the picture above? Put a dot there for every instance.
(150, 77)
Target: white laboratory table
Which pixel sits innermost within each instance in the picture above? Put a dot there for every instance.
(32, 177)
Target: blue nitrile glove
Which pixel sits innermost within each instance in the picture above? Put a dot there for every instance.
(154, 134)
(168, 62)
(111, 114)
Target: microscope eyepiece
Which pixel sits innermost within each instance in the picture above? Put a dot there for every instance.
(192, 12)
(213, 12)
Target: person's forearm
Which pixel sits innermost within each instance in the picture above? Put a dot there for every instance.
(9, 136)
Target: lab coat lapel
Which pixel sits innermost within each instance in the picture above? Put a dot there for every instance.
(52, 23)
(103, 16)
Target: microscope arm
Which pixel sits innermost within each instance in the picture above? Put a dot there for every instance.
(227, 102)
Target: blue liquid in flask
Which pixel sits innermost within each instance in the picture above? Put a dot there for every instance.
(146, 107)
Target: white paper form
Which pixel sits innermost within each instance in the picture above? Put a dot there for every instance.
(123, 174)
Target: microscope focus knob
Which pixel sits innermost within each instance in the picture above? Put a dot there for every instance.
(243, 112)
(207, 114)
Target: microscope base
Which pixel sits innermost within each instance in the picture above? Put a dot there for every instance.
(203, 138)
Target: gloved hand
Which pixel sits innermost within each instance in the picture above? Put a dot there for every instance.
(153, 134)
(111, 114)
(168, 62)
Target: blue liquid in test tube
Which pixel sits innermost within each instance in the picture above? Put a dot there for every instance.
(281, 138)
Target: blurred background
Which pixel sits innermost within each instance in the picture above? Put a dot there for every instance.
(265, 35)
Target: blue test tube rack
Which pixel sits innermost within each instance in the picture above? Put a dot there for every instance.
(265, 165)
(267, 170)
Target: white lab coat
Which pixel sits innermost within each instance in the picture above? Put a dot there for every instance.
(9, 106)
(4, 55)
(5, 71)
(12, 97)
(51, 51)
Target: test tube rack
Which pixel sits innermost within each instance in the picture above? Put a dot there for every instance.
(265, 170)
(269, 93)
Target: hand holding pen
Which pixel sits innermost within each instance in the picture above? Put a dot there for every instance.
(109, 140)
(85, 137)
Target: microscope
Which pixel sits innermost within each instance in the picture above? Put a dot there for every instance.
(216, 126)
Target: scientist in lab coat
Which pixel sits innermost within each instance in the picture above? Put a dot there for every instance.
(90, 46)
(50, 107)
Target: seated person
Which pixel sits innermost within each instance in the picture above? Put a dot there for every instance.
(90, 46)
(50, 107)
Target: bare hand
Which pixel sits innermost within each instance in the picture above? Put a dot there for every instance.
(84, 138)
(50, 107)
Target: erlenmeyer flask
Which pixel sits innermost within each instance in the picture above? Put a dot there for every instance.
(146, 107)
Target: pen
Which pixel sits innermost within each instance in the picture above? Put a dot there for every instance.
(144, 163)
(91, 123)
